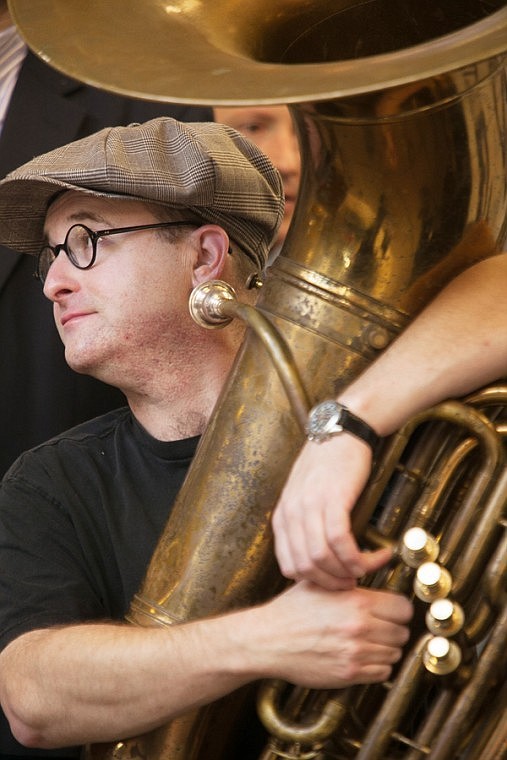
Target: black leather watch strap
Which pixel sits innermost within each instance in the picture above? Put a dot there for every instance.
(358, 427)
(329, 418)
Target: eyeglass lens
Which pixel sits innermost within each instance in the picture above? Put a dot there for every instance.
(81, 244)
(78, 245)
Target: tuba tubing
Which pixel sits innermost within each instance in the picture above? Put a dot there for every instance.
(400, 110)
(455, 687)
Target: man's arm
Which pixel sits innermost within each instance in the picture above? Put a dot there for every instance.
(102, 682)
(457, 344)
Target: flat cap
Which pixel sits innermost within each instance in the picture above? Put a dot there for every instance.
(205, 168)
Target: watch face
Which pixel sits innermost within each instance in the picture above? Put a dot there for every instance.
(331, 418)
(324, 418)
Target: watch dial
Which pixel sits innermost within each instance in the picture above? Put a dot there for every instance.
(323, 414)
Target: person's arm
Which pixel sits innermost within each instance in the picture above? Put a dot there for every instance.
(102, 682)
(457, 344)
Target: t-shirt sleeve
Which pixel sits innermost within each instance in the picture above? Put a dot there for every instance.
(44, 576)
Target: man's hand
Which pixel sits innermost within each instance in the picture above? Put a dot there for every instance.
(311, 523)
(334, 639)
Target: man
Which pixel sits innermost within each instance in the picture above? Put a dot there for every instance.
(126, 223)
(272, 130)
(456, 345)
(41, 109)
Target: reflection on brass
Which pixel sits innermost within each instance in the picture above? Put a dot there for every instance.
(445, 618)
(207, 304)
(445, 471)
(432, 582)
(441, 656)
(417, 547)
(400, 109)
(225, 52)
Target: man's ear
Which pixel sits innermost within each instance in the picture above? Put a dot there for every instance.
(213, 249)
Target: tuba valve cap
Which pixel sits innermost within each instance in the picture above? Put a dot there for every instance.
(418, 546)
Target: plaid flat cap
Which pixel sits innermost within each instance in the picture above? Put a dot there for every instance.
(205, 168)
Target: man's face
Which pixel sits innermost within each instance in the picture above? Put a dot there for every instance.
(272, 130)
(126, 315)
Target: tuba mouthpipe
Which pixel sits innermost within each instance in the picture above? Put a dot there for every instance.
(280, 355)
(214, 304)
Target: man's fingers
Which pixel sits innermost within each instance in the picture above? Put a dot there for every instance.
(373, 561)
(393, 608)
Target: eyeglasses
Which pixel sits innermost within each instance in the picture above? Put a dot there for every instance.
(80, 245)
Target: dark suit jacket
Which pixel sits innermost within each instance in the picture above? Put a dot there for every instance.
(39, 395)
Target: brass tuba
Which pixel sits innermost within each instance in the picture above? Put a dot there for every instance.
(442, 486)
(400, 109)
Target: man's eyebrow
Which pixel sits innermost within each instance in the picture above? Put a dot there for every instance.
(82, 216)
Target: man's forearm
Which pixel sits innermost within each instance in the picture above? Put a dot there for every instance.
(456, 345)
(93, 683)
(84, 683)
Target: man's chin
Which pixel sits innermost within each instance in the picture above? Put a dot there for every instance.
(79, 365)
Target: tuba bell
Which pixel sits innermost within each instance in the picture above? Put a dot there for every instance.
(400, 109)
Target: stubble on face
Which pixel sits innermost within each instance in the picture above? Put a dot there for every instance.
(133, 301)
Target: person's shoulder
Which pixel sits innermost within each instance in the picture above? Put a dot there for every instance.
(97, 427)
(102, 108)
(86, 440)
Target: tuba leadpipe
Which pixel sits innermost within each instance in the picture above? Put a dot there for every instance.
(400, 109)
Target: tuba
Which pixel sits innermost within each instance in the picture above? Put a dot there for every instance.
(400, 109)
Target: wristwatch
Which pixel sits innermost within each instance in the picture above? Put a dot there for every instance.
(329, 418)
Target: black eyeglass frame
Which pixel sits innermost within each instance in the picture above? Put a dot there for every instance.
(94, 236)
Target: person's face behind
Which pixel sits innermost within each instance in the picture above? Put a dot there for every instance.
(5, 17)
(128, 313)
(272, 130)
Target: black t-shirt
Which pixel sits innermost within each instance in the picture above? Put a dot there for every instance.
(80, 517)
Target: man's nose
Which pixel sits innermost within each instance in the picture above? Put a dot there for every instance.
(60, 278)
